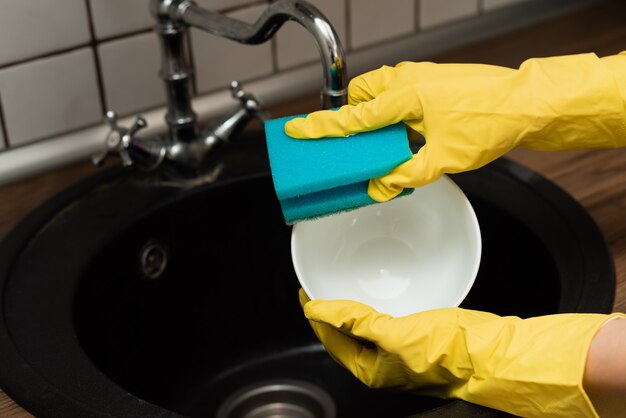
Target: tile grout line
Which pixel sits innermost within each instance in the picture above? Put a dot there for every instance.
(3, 125)
(348, 17)
(46, 55)
(244, 6)
(274, 51)
(74, 48)
(417, 14)
(124, 35)
(93, 45)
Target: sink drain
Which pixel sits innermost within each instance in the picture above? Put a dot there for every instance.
(153, 258)
(279, 399)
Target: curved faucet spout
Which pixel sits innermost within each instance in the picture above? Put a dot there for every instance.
(186, 148)
(334, 90)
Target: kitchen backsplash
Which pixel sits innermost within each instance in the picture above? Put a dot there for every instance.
(63, 63)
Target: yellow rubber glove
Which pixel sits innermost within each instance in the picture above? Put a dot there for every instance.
(471, 114)
(528, 367)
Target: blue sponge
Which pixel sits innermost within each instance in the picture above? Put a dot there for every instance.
(318, 177)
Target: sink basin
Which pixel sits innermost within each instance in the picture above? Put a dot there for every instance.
(130, 296)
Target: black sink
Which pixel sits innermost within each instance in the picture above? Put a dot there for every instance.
(130, 296)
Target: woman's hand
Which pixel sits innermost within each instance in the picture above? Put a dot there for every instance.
(528, 367)
(471, 114)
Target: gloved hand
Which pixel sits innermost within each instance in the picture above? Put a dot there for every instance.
(471, 114)
(528, 367)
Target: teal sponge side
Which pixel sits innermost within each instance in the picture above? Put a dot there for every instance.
(326, 202)
(318, 177)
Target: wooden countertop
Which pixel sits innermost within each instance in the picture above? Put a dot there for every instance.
(597, 179)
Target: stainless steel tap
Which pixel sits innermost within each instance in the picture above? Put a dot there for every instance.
(185, 148)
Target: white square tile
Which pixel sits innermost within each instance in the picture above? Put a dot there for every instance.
(130, 73)
(35, 27)
(218, 61)
(373, 21)
(115, 17)
(496, 4)
(435, 12)
(49, 96)
(294, 45)
(222, 4)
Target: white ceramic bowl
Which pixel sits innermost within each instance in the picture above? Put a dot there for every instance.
(411, 254)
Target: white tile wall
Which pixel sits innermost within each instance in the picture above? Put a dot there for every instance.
(130, 73)
(50, 85)
(35, 27)
(219, 61)
(116, 17)
(435, 12)
(496, 4)
(294, 45)
(48, 96)
(374, 21)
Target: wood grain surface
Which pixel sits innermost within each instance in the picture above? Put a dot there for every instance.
(597, 179)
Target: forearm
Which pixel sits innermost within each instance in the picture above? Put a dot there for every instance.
(605, 370)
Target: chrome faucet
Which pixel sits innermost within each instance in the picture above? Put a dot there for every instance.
(185, 149)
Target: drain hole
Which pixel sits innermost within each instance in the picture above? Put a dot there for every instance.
(279, 399)
(153, 259)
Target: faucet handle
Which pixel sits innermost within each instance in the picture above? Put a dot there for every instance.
(250, 107)
(248, 101)
(118, 139)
